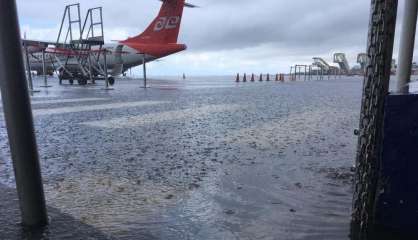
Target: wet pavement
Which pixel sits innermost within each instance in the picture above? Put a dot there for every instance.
(202, 158)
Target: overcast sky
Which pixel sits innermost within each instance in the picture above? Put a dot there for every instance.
(227, 36)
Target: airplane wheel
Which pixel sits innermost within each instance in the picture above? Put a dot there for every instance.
(71, 81)
(111, 81)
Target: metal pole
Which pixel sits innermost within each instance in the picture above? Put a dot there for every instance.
(105, 69)
(19, 122)
(294, 73)
(44, 70)
(28, 70)
(310, 73)
(90, 70)
(300, 71)
(144, 68)
(406, 49)
(317, 73)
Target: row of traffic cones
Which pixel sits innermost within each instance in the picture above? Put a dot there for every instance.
(279, 77)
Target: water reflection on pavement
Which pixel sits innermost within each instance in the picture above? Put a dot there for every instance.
(208, 159)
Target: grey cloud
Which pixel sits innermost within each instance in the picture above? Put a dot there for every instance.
(298, 28)
(300, 23)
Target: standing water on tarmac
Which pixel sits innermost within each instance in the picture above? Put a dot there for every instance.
(200, 158)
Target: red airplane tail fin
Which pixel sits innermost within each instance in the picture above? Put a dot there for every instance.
(165, 27)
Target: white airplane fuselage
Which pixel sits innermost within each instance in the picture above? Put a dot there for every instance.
(119, 59)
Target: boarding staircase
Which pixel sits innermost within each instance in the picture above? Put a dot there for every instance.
(79, 46)
(362, 59)
(342, 61)
(321, 63)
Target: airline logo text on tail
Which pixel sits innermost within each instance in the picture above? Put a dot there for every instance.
(166, 23)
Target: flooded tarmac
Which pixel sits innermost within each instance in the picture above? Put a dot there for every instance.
(200, 159)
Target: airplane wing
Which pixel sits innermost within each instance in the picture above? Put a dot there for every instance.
(34, 46)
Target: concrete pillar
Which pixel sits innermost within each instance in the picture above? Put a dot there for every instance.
(19, 121)
(406, 49)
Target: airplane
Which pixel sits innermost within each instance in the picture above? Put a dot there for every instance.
(157, 41)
